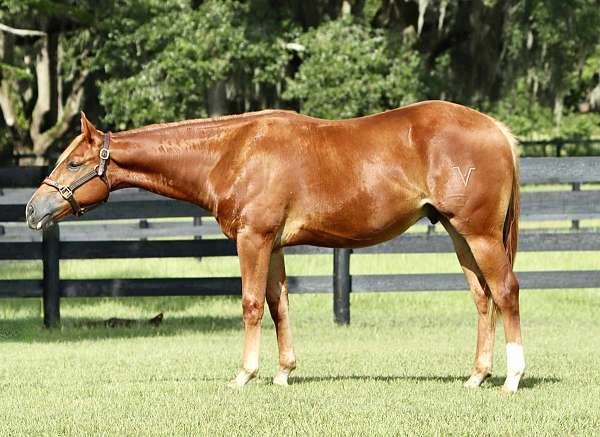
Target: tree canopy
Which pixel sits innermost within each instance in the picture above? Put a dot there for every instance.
(534, 64)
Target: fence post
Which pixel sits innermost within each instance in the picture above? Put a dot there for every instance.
(341, 286)
(197, 221)
(143, 224)
(576, 186)
(51, 281)
(559, 146)
(1, 226)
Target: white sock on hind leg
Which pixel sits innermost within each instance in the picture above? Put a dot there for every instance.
(515, 365)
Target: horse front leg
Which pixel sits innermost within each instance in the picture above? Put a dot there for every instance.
(254, 252)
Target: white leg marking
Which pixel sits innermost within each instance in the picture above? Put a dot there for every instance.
(281, 378)
(465, 180)
(242, 378)
(515, 366)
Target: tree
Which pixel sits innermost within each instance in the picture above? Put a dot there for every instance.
(349, 69)
(533, 63)
(219, 51)
(549, 46)
(44, 66)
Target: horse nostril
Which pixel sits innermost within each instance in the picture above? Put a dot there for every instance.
(30, 210)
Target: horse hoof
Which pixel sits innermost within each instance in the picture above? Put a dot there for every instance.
(234, 385)
(472, 383)
(510, 389)
(511, 384)
(241, 379)
(281, 379)
(475, 380)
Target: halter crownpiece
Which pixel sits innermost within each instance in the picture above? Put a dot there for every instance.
(104, 154)
(68, 191)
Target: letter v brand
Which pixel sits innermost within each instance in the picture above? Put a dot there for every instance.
(463, 178)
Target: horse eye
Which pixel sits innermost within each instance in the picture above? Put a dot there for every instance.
(74, 165)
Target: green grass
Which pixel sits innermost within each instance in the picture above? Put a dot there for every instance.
(398, 369)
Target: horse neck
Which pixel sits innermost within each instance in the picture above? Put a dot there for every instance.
(174, 161)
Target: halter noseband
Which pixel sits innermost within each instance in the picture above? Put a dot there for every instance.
(68, 191)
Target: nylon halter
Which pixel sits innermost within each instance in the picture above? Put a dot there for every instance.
(68, 191)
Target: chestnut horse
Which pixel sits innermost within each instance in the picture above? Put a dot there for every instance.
(278, 178)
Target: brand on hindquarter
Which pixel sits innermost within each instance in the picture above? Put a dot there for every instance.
(464, 177)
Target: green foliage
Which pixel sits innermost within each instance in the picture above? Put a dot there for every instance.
(14, 73)
(171, 71)
(535, 64)
(554, 44)
(343, 72)
(408, 79)
(529, 119)
(523, 113)
(349, 69)
(575, 125)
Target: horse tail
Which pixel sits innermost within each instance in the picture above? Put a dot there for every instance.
(511, 222)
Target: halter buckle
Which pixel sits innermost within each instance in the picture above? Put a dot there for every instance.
(65, 192)
(104, 154)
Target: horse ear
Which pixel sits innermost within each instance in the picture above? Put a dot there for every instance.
(87, 128)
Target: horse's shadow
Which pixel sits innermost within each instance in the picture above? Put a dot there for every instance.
(496, 381)
(72, 329)
(265, 380)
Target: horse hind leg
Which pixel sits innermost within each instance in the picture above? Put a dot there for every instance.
(493, 262)
(277, 299)
(486, 324)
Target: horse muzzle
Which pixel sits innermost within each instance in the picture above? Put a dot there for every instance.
(41, 210)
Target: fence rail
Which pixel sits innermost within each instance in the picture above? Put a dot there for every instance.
(553, 205)
(571, 146)
(125, 228)
(531, 148)
(533, 171)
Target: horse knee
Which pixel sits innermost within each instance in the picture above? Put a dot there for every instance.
(252, 310)
(507, 295)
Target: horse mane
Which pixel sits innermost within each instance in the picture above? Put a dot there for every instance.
(204, 122)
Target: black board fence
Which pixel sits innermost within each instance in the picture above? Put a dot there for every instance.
(531, 148)
(560, 147)
(85, 239)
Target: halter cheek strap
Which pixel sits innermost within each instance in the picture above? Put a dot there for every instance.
(68, 191)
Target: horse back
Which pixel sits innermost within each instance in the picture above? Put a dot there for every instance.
(362, 181)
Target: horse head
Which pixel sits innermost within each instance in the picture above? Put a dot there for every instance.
(77, 183)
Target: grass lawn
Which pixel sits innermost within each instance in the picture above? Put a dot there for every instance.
(398, 369)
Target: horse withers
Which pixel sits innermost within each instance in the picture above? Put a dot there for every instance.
(277, 178)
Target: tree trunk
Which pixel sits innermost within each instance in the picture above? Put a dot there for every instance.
(51, 115)
(42, 104)
(558, 110)
(216, 100)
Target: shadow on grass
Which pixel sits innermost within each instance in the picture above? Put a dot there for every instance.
(30, 329)
(526, 382)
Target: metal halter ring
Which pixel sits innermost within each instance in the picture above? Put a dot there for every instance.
(65, 192)
(104, 153)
